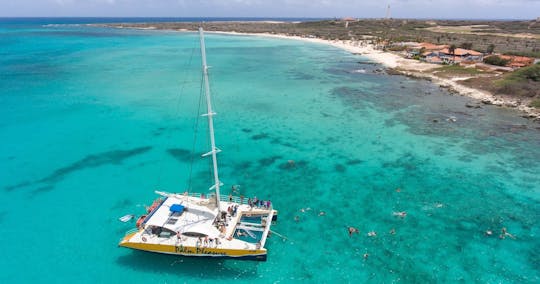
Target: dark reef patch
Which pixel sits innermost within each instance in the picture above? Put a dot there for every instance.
(42, 189)
(159, 131)
(291, 165)
(242, 165)
(96, 160)
(356, 98)
(269, 161)
(277, 141)
(19, 185)
(340, 168)
(354, 162)
(246, 130)
(260, 136)
(121, 204)
(296, 75)
(90, 161)
(408, 162)
(181, 155)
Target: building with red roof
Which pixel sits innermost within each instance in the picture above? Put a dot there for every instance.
(515, 61)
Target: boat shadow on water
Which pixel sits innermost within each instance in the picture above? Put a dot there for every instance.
(204, 267)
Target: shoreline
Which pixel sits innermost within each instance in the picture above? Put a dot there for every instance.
(399, 65)
(413, 68)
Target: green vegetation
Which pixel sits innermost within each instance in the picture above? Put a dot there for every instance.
(535, 53)
(523, 82)
(535, 103)
(456, 70)
(452, 48)
(490, 48)
(527, 73)
(496, 60)
(505, 37)
(466, 45)
(397, 48)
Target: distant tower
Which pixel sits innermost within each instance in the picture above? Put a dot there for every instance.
(388, 12)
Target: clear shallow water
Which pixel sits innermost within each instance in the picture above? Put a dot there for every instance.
(93, 120)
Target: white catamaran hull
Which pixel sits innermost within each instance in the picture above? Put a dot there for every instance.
(196, 225)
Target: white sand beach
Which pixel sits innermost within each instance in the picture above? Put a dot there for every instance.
(415, 68)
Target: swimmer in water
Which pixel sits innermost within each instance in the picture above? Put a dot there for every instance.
(322, 213)
(372, 234)
(401, 214)
(392, 231)
(504, 234)
(352, 230)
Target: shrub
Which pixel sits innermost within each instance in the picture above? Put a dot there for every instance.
(466, 45)
(496, 60)
(528, 73)
(535, 103)
(523, 82)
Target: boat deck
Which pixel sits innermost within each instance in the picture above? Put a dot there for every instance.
(245, 228)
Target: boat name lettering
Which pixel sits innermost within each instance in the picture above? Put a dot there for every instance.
(197, 250)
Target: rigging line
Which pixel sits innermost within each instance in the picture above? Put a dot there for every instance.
(177, 109)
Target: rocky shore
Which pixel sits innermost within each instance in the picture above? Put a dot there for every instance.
(394, 62)
(421, 70)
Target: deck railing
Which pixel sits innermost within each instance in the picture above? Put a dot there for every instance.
(224, 198)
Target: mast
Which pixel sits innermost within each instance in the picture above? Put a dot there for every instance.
(210, 113)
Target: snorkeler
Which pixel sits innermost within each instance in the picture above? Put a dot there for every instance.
(504, 234)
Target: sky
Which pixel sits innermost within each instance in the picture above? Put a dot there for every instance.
(434, 9)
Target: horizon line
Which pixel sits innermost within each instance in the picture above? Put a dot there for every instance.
(258, 17)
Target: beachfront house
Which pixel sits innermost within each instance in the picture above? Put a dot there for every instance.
(516, 62)
(460, 55)
(441, 54)
(424, 48)
(431, 57)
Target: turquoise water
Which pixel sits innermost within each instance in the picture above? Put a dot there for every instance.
(94, 120)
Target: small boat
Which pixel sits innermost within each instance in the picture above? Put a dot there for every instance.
(193, 224)
(126, 218)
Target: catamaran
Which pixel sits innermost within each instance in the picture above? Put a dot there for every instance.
(193, 224)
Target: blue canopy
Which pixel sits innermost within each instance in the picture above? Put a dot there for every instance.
(177, 208)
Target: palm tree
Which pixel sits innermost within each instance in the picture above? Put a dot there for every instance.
(490, 48)
(452, 50)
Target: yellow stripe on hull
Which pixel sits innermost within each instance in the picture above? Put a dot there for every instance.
(193, 251)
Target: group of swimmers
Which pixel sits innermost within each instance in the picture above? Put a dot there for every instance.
(400, 214)
(503, 235)
(353, 230)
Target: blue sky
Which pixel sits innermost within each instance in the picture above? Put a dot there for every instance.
(479, 9)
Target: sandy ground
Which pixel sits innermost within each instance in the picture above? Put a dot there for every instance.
(418, 69)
